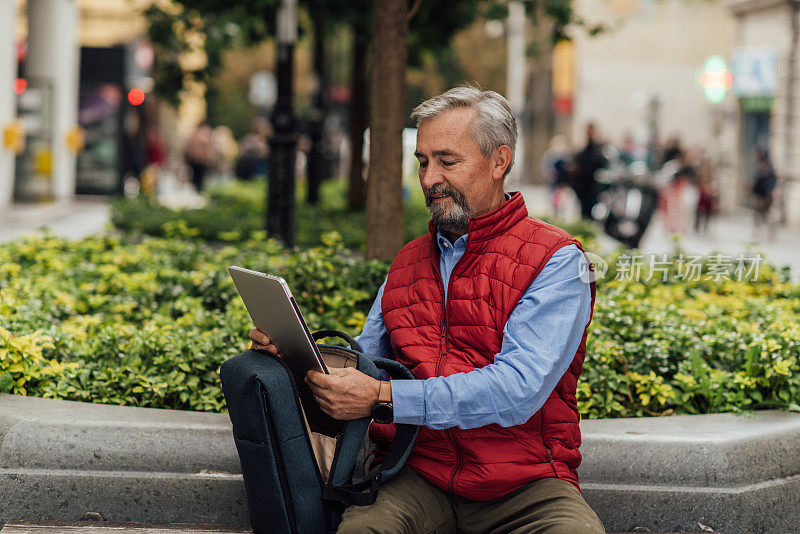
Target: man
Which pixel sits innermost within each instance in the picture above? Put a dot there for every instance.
(489, 312)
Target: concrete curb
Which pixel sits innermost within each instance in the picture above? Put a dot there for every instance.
(61, 459)
(737, 474)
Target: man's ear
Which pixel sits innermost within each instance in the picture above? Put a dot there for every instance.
(501, 159)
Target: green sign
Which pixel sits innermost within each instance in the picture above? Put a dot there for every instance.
(714, 79)
(756, 104)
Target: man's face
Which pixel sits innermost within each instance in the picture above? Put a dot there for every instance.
(455, 176)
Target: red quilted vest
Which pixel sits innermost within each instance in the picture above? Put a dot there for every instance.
(506, 250)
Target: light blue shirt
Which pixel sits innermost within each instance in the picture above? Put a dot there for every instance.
(540, 339)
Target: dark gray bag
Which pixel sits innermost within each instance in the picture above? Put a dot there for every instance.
(298, 465)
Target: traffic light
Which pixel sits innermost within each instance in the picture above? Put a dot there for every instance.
(136, 96)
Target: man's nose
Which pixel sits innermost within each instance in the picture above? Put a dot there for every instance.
(432, 176)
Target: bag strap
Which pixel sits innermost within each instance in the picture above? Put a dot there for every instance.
(404, 438)
(399, 450)
(320, 334)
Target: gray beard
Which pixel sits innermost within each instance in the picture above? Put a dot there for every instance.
(451, 219)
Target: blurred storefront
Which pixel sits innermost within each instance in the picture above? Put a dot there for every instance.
(638, 79)
(766, 68)
(75, 102)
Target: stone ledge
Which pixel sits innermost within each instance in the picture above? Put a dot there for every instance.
(735, 473)
(61, 459)
(108, 527)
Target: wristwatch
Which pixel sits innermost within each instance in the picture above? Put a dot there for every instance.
(382, 410)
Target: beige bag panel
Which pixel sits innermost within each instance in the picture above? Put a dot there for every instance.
(324, 446)
(338, 357)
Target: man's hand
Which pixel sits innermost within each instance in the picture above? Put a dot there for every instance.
(261, 341)
(344, 394)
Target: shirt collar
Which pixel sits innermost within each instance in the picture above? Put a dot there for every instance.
(445, 243)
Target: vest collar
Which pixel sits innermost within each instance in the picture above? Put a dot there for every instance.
(495, 222)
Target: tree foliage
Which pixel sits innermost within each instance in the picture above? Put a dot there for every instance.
(180, 27)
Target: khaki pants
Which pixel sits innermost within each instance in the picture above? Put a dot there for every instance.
(410, 504)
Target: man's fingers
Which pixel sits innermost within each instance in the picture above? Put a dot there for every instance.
(259, 337)
(320, 380)
(261, 341)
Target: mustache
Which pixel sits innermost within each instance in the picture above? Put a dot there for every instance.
(439, 190)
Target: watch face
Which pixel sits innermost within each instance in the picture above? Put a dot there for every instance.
(382, 412)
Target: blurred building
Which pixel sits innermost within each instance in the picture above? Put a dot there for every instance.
(639, 77)
(74, 97)
(766, 85)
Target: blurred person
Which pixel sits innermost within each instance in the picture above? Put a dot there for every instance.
(765, 182)
(254, 150)
(672, 150)
(301, 155)
(156, 149)
(155, 153)
(666, 173)
(199, 154)
(225, 149)
(555, 167)
(707, 192)
(706, 204)
(678, 201)
(133, 153)
(627, 150)
(587, 162)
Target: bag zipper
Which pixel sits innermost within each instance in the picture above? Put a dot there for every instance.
(287, 498)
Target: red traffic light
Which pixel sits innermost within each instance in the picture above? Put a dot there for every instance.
(20, 84)
(136, 96)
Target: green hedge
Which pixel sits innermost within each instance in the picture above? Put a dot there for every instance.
(147, 323)
(235, 212)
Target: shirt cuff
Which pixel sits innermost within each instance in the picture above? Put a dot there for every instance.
(408, 401)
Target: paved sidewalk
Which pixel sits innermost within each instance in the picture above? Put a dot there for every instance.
(106, 527)
(727, 235)
(71, 219)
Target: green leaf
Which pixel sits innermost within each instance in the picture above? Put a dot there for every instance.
(6, 383)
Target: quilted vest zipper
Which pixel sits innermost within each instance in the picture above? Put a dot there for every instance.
(547, 447)
(442, 352)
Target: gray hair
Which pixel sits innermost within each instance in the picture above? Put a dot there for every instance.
(494, 124)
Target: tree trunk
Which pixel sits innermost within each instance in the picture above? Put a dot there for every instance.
(387, 118)
(359, 110)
